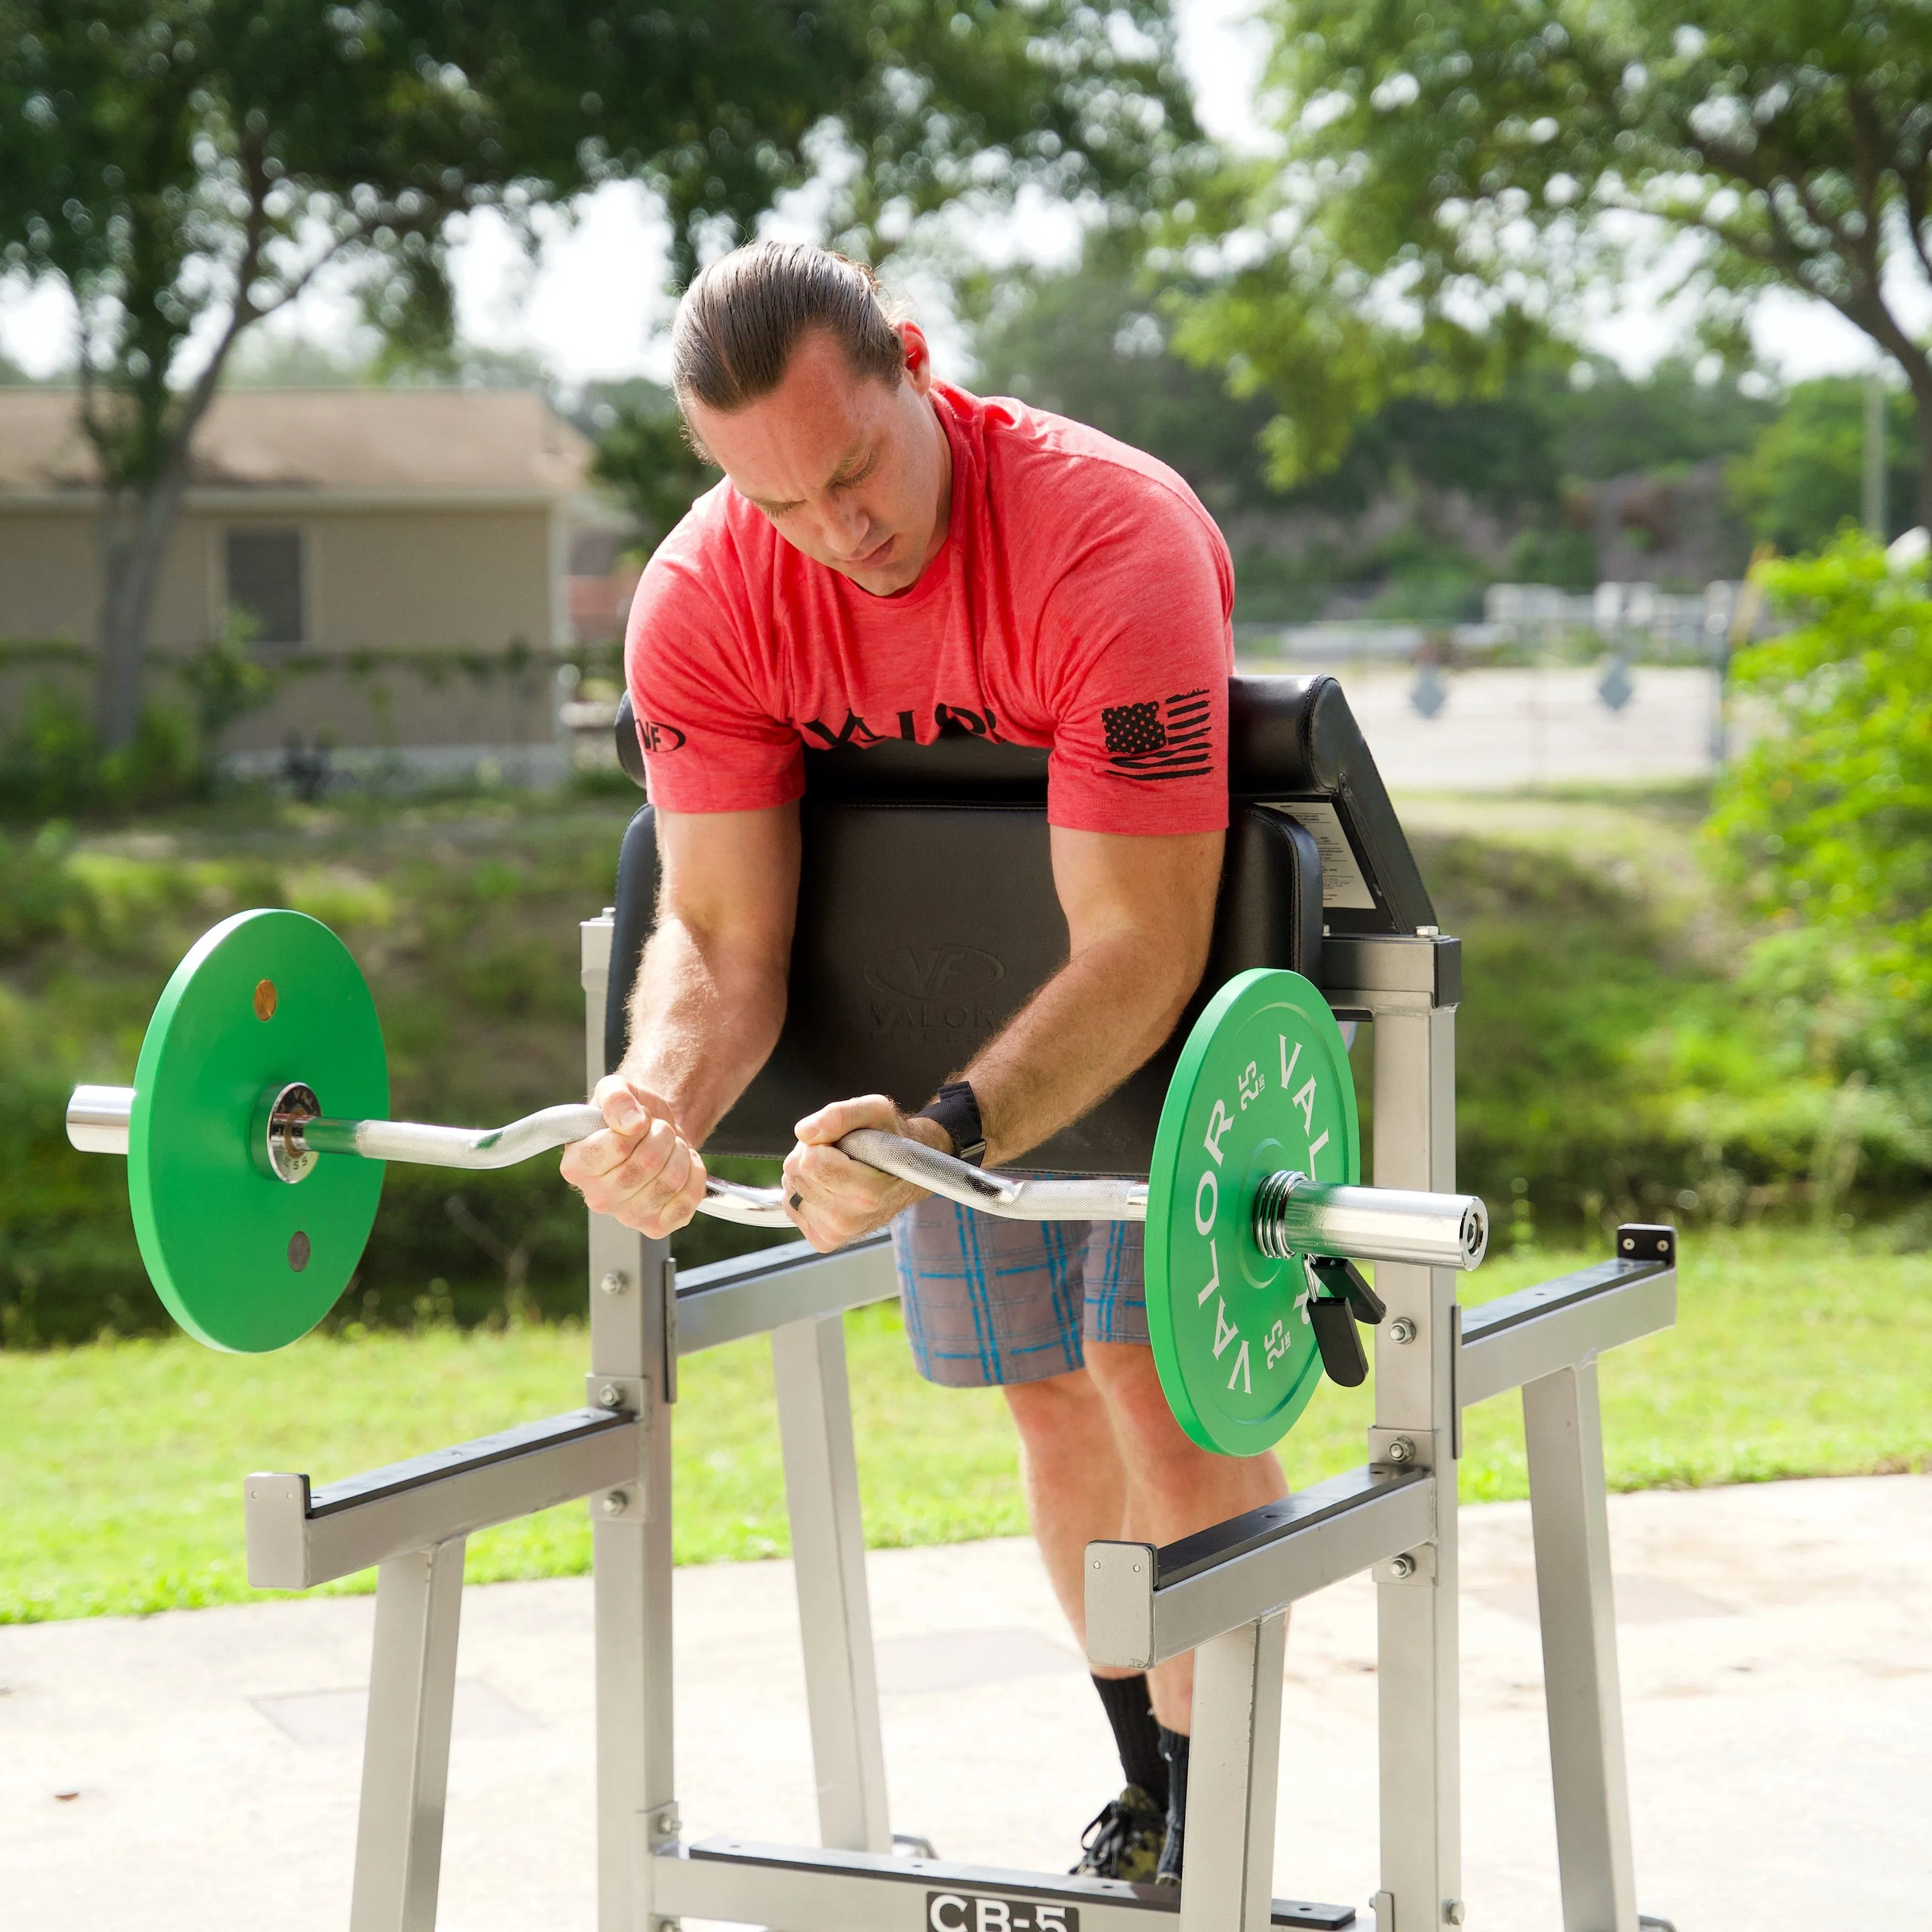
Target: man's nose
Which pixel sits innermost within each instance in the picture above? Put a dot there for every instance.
(851, 526)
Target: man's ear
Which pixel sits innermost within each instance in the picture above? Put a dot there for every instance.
(918, 356)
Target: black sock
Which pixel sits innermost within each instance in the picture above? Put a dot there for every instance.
(1125, 1701)
(1174, 1751)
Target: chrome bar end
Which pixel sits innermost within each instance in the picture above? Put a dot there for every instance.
(98, 1118)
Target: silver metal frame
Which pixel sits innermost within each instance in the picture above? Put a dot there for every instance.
(406, 1740)
(1223, 1594)
(828, 1544)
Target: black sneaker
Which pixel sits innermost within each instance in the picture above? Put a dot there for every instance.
(1124, 1841)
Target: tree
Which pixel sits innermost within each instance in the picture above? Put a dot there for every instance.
(1804, 476)
(1449, 166)
(186, 167)
(1607, 424)
(1091, 343)
(643, 455)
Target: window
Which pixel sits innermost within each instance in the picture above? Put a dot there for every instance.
(265, 583)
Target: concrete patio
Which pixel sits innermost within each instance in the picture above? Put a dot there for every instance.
(197, 1770)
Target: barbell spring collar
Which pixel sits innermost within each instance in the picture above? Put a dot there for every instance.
(1294, 1215)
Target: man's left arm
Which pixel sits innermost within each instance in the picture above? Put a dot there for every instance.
(1140, 913)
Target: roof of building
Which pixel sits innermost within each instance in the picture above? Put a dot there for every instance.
(447, 445)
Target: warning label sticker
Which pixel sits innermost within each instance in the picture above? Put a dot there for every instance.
(1342, 883)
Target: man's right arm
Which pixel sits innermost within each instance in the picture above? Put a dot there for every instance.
(706, 1010)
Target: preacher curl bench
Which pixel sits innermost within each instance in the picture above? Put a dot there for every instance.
(926, 918)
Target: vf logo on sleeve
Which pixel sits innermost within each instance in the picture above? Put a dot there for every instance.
(659, 738)
(1155, 739)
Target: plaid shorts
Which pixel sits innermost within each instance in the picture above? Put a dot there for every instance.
(989, 1301)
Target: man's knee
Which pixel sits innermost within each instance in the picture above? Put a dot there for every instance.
(1124, 1374)
(1057, 1415)
(1151, 1441)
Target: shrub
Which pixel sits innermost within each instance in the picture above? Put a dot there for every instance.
(51, 765)
(1824, 828)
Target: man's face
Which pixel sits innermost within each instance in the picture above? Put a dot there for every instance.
(855, 472)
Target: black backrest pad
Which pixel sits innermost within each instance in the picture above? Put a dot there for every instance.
(927, 914)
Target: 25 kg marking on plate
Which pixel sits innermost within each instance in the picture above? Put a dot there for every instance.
(986, 1912)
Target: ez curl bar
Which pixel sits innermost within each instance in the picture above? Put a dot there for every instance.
(251, 1223)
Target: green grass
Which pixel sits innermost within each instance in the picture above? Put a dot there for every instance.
(1796, 1354)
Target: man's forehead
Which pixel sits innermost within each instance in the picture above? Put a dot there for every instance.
(798, 438)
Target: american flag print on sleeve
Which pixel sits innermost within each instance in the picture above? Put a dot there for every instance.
(1173, 738)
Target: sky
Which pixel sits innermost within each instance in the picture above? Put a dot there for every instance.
(592, 305)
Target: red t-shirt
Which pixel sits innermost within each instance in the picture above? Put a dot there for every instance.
(1080, 601)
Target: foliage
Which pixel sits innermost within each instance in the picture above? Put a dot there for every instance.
(1805, 474)
(1408, 576)
(1042, 345)
(1553, 554)
(1606, 423)
(1569, 982)
(642, 453)
(1627, 1049)
(186, 167)
(51, 763)
(148, 142)
(1096, 343)
(1434, 211)
(1825, 824)
(225, 680)
(1793, 1355)
(1091, 343)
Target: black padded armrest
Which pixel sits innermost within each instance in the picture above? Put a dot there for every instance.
(922, 929)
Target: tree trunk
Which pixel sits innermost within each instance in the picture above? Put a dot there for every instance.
(1917, 369)
(1921, 402)
(135, 526)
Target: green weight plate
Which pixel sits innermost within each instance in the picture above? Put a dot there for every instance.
(1263, 1084)
(244, 1261)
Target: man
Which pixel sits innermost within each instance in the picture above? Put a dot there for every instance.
(889, 556)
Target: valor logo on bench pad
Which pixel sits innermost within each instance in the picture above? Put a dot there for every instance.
(939, 992)
(940, 973)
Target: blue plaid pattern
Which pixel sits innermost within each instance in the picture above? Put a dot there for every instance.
(989, 1301)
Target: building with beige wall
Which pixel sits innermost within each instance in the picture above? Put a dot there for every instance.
(389, 549)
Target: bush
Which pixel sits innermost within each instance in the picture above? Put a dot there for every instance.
(1824, 827)
(1571, 987)
(51, 764)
